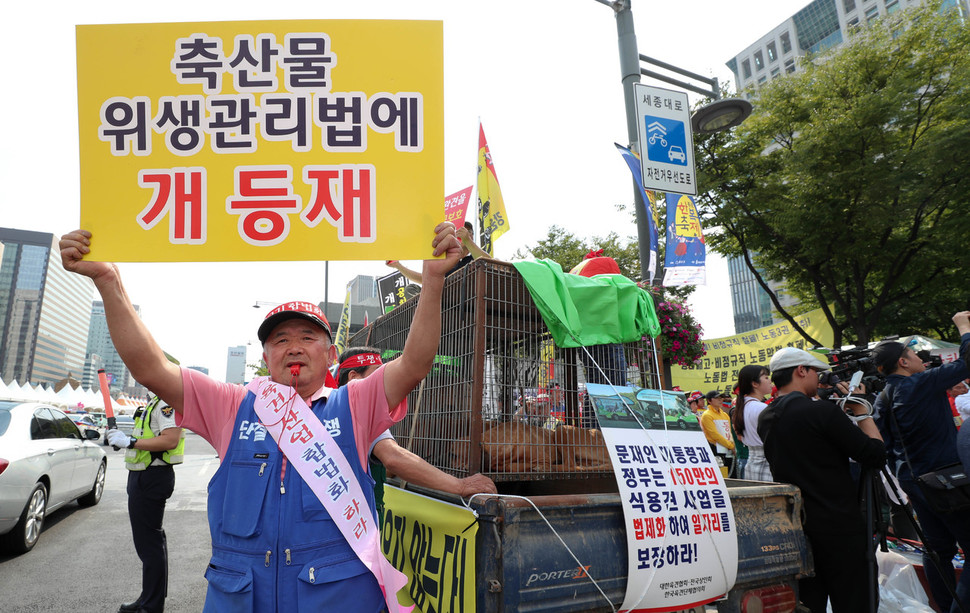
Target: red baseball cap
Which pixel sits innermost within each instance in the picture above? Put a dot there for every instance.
(291, 310)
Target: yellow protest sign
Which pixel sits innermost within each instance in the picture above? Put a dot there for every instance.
(719, 368)
(262, 140)
(433, 543)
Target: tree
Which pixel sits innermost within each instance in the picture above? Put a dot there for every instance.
(567, 250)
(850, 183)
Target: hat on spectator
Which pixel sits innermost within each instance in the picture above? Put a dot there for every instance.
(886, 353)
(725, 395)
(292, 310)
(712, 394)
(695, 395)
(790, 357)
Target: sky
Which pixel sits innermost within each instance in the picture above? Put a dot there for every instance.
(542, 76)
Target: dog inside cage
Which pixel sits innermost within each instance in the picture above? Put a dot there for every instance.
(502, 398)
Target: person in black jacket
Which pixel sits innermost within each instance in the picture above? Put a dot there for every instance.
(808, 443)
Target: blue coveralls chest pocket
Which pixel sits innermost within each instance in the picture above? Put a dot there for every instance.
(274, 546)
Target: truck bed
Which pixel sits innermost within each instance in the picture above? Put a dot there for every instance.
(521, 564)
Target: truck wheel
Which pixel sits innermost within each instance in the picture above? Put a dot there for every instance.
(24, 535)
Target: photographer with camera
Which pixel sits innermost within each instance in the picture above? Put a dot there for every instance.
(808, 443)
(916, 421)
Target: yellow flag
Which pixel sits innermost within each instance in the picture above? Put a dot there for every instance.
(343, 328)
(492, 220)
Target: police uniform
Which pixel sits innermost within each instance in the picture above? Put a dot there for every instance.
(151, 481)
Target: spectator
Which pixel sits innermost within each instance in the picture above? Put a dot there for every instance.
(808, 443)
(754, 384)
(717, 428)
(361, 362)
(915, 418)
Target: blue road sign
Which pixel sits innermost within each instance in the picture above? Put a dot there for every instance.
(666, 140)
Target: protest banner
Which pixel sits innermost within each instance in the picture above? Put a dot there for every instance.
(391, 288)
(433, 544)
(718, 369)
(682, 547)
(261, 140)
(456, 206)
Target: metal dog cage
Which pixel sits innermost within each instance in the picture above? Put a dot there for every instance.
(501, 397)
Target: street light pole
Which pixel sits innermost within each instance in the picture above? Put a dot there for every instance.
(630, 71)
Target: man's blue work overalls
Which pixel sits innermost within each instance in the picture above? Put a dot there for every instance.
(276, 551)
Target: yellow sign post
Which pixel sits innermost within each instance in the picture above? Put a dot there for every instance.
(719, 368)
(278, 140)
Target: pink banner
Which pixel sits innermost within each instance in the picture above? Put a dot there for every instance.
(456, 205)
(314, 454)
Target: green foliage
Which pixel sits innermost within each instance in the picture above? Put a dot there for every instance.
(850, 179)
(567, 250)
(261, 369)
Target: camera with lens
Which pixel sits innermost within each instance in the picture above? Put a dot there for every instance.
(845, 363)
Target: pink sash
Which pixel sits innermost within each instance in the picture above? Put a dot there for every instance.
(314, 454)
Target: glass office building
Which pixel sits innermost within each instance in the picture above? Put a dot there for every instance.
(820, 25)
(100, 347)
(44, 310)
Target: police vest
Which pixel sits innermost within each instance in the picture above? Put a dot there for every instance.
(140, 459)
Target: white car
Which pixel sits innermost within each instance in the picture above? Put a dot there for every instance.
(46, 462)
(676, 153)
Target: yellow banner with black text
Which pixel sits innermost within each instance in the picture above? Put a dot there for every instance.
(718, 369)
(433, 543)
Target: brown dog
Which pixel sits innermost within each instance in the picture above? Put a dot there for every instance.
(519, 447)
(581, 449)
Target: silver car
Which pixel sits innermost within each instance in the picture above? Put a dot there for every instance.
(45, 463)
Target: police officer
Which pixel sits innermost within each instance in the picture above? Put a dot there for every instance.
(155, 447)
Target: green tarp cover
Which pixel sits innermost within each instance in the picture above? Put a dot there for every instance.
(582, 311)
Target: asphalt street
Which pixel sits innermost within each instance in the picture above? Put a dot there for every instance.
(85, 561)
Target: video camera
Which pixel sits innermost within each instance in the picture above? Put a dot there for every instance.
(845, 363)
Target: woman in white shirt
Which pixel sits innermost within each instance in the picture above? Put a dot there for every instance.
(754, 384)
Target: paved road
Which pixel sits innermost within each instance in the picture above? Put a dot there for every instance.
(85, 561)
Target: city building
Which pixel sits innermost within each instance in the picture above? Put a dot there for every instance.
(45, 311)
(820, 25)
(364, 304)
(101, 345)
(236, 365)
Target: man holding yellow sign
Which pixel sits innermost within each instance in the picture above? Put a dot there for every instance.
(307, 538)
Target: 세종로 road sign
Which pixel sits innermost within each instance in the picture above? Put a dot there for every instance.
(666, 142)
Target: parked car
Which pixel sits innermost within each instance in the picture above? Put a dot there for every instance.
(125, 423)
(45, 463)
(85, 420)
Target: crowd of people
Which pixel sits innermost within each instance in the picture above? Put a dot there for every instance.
(777, 427)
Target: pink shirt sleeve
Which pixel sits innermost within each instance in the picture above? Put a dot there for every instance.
(209, 408)
(371, 415)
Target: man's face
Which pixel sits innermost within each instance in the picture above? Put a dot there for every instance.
(299, 342)
(912, 362)
(810, 388)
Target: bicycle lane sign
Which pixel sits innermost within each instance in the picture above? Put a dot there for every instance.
(665, 138)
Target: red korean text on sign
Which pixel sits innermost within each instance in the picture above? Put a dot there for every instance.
(263, 199)
(180, 193)
(345, 195)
